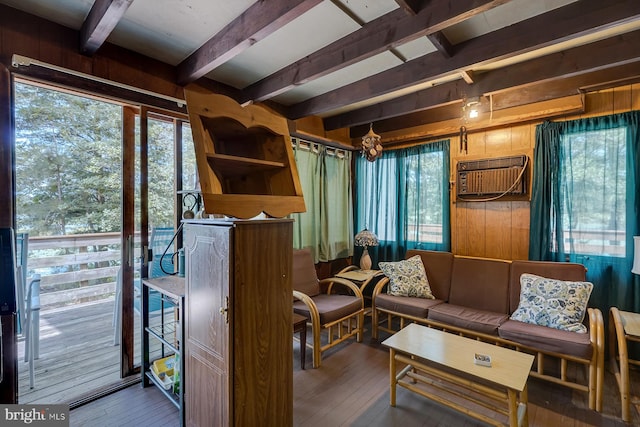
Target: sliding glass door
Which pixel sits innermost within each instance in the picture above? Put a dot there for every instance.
(71, 176)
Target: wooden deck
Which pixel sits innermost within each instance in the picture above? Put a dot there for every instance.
(77, 354)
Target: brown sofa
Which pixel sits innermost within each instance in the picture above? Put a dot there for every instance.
(476, 296)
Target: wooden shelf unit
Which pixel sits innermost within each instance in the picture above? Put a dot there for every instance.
(244, 157)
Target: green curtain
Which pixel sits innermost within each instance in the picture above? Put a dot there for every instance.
(327, 225)
(403, 197)
(587, 214)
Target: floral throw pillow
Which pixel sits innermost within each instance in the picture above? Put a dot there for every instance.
(554, 303)
(407, 278)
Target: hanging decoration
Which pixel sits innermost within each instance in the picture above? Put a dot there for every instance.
(371, 146)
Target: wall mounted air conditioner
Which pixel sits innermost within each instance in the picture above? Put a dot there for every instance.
(492, 177)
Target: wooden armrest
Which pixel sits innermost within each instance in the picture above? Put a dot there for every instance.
(379, 287)
(596, 335)
(313, 309)
(596, 327)
(348, 283)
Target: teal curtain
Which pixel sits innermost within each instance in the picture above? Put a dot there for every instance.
(327, 225)
(585, 204)
(403, 197)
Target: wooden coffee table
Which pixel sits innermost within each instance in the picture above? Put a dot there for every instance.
(440, 366)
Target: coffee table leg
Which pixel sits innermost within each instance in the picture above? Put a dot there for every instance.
(392, 376)
(524, 399)
(514, 407)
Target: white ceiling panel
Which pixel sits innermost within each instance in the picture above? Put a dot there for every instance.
(70, 13)
(290, 43)
(500, 17)
(368, 10)
(170, 30)
(342, 77)
(418, 47)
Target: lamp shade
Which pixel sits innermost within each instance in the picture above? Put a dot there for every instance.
(366, 238)
(636, 255)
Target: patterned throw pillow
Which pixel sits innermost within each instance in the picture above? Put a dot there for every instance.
(554, 303)
(407, 277)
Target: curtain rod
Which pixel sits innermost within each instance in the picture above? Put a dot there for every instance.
(18, 61)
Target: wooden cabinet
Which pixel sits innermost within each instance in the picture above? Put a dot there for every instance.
(238, 336)
(244, 157)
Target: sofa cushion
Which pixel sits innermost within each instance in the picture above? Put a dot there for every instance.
(547, 339)
(416, 307)
(438, 266)
(557, 304)
(407, 278)
(551, 269)
(330, 307)
(464, 317)
(480, 283)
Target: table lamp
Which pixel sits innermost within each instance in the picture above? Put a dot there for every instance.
(636, 255)
(366, 238)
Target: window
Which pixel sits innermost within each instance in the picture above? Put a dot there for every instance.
(584, 201)
(425, 189)
(593, 190)
(403, 197)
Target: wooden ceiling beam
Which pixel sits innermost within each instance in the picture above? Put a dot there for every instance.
(467, 76)
(574, 20)
(442, 44)
(616, 76)
(101, 20)
(412, 7)
(607, 53)
(597, 80)
(388, 31)
(260, 20)
(507, 117)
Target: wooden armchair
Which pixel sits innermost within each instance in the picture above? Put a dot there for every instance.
(335, 313)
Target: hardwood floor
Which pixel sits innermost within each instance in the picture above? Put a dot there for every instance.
(351, 388)
(133, 406)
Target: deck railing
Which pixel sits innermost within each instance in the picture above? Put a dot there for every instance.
(75, 268)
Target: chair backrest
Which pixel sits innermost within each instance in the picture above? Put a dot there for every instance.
(161, 239)
(22, 248)
(22, 253)
(33, 293)
(304, 277)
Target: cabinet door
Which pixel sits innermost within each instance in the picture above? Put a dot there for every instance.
(207, 250)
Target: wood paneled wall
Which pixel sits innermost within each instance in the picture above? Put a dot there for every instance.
(500, 229)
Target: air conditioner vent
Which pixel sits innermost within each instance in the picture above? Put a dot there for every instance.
(488, 177)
